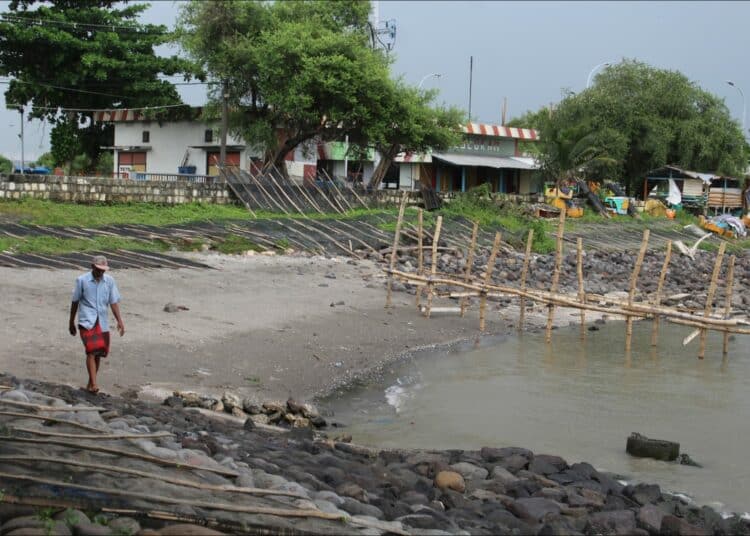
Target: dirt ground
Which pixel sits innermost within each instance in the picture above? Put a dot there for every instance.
(264, 327)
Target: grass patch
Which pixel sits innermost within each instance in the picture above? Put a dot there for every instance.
(48, 245)
(234, 244)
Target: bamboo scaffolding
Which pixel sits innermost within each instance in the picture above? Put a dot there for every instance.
(470, 262)
(659, 289)
(632, 288)
(420, 253)
(524, 272)
(433, 265)
(555, 274)
(489, 269)
(728, 301)
(710, 296)
(581, 287)
(121, 452)
(394, 251)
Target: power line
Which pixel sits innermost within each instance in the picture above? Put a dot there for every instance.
(62, 109)
(61, 88)
(37, 21)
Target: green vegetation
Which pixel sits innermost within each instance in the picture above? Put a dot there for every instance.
(49, 245)
(6, 166)
(234, 244)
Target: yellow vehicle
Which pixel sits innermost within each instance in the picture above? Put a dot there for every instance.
(562, 200)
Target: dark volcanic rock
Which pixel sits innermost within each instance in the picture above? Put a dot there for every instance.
(619, 522)
(675, 526)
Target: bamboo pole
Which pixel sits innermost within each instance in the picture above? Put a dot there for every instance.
(100, 437)
(420, 252)
(433, 265)
(710, 295)
(728, 301)
(50, 408)
(52, 419)
(487, 279)
(632, 288)
(581, 288)
(470, 262)
(524, 272)
(281, 512)
(556, 273)
(121, 452)
(659, 289)
(722, 329)
(155, 476)
(394, 252)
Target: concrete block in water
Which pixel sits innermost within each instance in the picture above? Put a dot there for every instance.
(644, 447)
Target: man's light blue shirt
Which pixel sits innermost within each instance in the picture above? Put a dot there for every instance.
(94, 298)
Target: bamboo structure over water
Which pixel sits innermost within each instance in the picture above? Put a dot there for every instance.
(468, 284)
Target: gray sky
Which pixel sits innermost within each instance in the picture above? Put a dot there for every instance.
(525, 51)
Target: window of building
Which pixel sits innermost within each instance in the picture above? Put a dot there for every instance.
(208, 135)
(130, 162)
(146, 136)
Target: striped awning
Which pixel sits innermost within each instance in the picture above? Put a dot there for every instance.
(129, 115)
(482, 129)
(497, 162)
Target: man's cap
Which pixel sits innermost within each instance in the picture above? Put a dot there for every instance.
(100, 261)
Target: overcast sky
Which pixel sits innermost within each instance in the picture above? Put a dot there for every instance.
(525, 51)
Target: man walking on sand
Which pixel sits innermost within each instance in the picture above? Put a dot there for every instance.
(93, 293)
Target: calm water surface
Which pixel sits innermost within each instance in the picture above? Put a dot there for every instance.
(579, 400)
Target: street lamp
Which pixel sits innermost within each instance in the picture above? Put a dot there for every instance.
(744, 102)
(605, 64)
(425, 77)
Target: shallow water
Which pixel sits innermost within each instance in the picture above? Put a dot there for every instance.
(577, 400)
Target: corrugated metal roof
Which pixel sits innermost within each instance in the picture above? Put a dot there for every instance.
(498, 162)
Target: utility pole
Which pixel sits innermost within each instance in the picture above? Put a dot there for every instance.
(471, 74)
(23, 163)
(224, 123)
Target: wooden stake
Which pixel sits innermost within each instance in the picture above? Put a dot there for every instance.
(420, 252)
(581, 288)
(433, 265)
(524, 271)
(556, 273)
(488, 279)
(631, 290)
(394, 251)
(659, 288)
(710, 295)
(470, 262)
(728, 300)
(105, 437)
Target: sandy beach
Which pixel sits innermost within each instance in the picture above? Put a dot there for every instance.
(267, 327)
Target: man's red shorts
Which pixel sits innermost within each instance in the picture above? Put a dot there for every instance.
(95, 341)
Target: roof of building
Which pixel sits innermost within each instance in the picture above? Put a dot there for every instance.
(498, 162)
(483, 129)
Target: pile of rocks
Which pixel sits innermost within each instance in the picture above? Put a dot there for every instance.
(290, 414)
(490, 491)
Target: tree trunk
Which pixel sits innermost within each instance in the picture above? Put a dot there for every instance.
(386, 160)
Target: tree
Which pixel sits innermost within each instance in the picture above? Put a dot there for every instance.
(298, 71)
(636, 118)
(6, 166)
(84, 55)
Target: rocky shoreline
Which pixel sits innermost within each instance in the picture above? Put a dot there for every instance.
(489, 491)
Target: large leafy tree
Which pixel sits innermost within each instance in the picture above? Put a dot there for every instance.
(83, 56)
(297, 71)
(636, 118)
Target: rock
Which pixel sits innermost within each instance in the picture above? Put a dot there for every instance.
(186, 529)
(10, 511)
(218, 406)
(124, 525)
(231, 401)
(91, 529)
(172, 308)
(545, 464)
(503, 475)
(294, 407)
(357, 508)
(585, 497)
(189, 400)
(534, 508)
(249, 424)
(450, 480)
(620, 522)
(558, 526)
(643, 493)
(649, 518)
(675, 526)
(330, 275)
(350, 489)
(260, 418)
(250, 407)
(71, 517)
(270, 408)
(470, 471)
(641, 446)
(685, 459)
(23, 522)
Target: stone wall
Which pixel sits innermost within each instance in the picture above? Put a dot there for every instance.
(105, 190)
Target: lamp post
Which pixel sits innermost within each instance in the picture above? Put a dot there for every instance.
(425, 77)
(605, 64)
(23, 163)
(744, 102)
